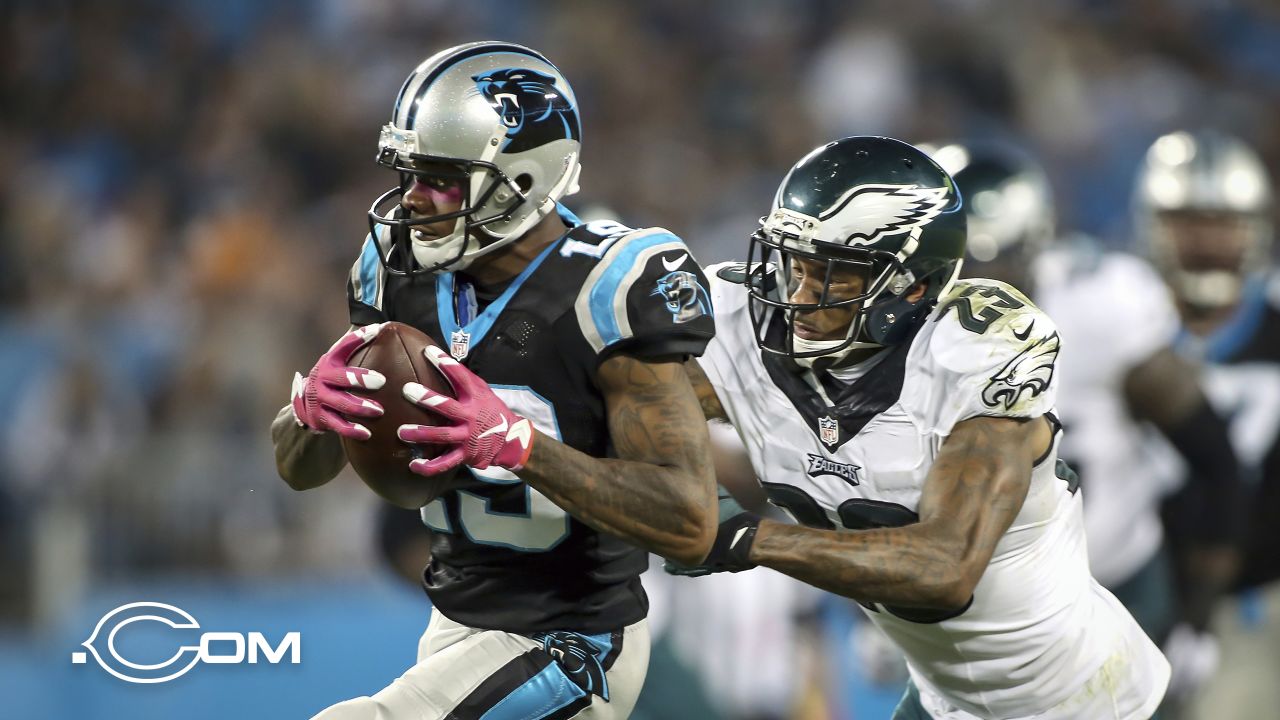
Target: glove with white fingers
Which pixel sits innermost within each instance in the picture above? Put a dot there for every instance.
(321, 401)
(483, 431)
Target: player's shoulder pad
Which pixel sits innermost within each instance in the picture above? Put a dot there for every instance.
(367, 280)
(728, 285)
(643, 281)
(988, 333)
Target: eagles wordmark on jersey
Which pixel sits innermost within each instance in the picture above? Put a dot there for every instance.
(1039, 636)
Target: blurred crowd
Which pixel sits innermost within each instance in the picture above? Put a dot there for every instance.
(183, 188)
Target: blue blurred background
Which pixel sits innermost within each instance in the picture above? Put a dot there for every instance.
(183, 186)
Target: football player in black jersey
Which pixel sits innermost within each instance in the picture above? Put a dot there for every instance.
(583, 438)
(1204, 206)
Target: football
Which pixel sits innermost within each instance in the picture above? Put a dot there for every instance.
(382, 461)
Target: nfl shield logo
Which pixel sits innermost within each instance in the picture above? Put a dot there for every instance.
(828, 430)
(459, 344)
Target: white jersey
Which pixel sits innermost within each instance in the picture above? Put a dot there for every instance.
(1114, 313)
(1040, 636)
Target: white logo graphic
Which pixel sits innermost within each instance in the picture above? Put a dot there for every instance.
(499, 428)
(243, 647)
(673, 265)
(819, 466)
(1028, 374)
(868, 213)
(459, 344)
(828, 430)
(521, 432)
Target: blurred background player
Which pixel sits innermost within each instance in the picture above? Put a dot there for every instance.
(906, 420)
(1204, 206)
(588, 446)
(1118, 376)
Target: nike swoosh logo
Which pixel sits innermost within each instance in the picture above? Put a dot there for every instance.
(1025, 333)
(672, 265)
(499, 428)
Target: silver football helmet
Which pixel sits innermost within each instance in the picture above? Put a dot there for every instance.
(500, 119)
(1203, 206)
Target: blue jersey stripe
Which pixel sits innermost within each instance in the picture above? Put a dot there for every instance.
(540, 696)
(369, 269)
(608, 285)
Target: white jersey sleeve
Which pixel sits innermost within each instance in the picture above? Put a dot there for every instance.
(729, 299)
(986, 351)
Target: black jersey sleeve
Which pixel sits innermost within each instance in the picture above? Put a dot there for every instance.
(647, 297)
(366, 286)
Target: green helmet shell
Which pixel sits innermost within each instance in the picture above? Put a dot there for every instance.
(877, 193)
(876, 202)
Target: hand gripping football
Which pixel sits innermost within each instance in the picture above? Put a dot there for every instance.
(382, 461)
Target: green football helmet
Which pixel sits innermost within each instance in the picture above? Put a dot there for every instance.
(1008, 205)
(868, 207)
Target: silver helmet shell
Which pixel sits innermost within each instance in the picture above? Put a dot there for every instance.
(1203, 173)
(507, 119)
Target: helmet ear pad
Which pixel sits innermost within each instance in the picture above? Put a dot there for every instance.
(892, 321)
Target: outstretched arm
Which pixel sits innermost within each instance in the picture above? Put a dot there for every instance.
(705, 391)
(660, 491)
(972, 494)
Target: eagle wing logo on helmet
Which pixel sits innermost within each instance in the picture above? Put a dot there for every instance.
(1029, 373)
(868, 213)
(534, 111)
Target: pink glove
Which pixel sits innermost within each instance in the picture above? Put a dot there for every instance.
(485, 431)
(320, 401)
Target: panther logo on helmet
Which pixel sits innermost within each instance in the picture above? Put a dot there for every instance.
(533, 110)
(685, 297)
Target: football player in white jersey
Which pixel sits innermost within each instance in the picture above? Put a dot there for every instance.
(906, 421)
(1118, 372)
(1204, 207)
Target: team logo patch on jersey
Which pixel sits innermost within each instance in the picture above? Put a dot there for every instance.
(1029, 374)
(868, 213)
(819, 466)
(459, 344)
(579, 659)
(532, 108)
(685, 297)
(829, 431)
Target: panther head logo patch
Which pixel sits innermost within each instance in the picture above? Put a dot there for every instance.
(685, 297)
(578, 658)
(1029, 374)
(531, 107)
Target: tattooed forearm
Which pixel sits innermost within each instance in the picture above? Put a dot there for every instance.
(974, 490)
(711, 407)
(660, 491)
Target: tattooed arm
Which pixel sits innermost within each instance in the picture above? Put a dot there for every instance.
(660, 492)
(711, 407)
(972, 494)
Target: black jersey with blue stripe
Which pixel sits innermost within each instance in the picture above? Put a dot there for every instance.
(503, 555)
(1241, 359)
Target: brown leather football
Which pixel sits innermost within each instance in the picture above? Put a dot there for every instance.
(382, 461)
